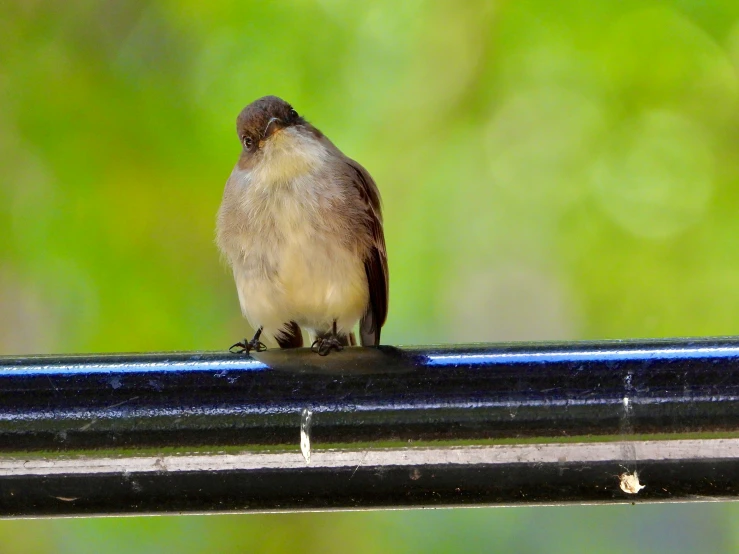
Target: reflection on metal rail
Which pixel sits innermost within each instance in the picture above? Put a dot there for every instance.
(496, 424)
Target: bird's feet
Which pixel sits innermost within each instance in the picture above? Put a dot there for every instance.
(330, 341)
(324, 345)
(245, 346)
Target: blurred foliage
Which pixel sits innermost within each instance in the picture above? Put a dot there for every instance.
(550, 170)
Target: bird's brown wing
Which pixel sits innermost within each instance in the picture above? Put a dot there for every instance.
(375, 264)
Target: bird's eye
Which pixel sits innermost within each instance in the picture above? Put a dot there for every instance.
(247, 142)
(293, 114)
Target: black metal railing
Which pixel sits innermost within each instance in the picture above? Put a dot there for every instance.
(618, 421)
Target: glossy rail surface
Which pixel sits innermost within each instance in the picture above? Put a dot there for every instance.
(378, 427)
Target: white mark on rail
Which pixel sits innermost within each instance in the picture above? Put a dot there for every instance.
(629, 483)
(305, 421)
(130, 468)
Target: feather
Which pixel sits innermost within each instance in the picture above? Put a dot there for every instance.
(290, 336)
(375, 263)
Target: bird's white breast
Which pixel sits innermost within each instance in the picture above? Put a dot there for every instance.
(294, 267)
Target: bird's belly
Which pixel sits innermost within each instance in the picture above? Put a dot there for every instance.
(323, 282)
(316, 282)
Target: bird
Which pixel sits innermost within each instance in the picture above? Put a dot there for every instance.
(300, 224)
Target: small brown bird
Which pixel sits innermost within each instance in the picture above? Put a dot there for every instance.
(301, 226)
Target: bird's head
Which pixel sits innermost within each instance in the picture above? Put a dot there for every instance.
(277, 143)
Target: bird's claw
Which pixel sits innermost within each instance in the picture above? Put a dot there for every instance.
(245, 346)
(324, 345)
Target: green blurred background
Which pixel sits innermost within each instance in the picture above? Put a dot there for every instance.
(550, 170)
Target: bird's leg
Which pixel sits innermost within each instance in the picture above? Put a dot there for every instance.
(245, 346)
(323, 345)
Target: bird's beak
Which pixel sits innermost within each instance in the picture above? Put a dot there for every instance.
(273, 125)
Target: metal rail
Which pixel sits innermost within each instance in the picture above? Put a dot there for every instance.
(496, 424)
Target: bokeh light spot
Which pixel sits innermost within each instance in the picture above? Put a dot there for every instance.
(656, 176)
